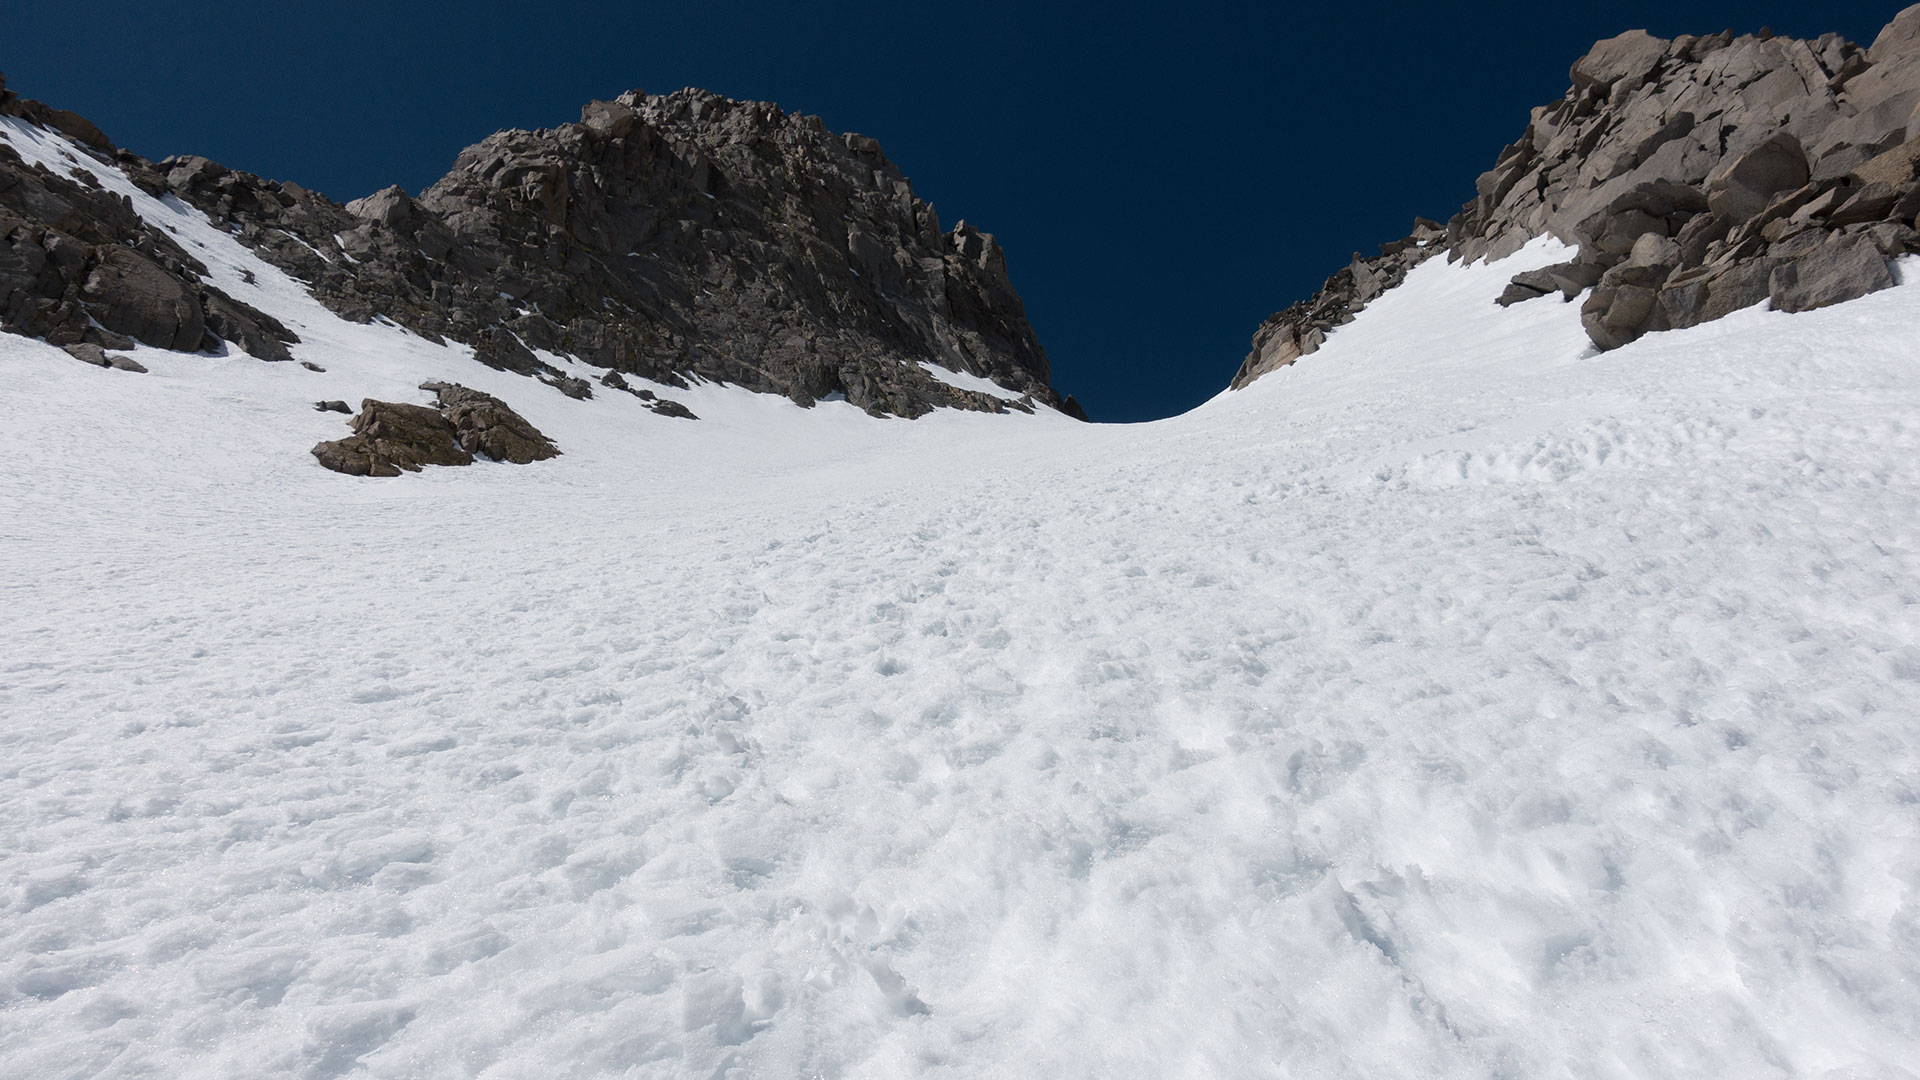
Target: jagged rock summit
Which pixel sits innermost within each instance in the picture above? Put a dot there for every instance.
(672, 237)
(1697, 176)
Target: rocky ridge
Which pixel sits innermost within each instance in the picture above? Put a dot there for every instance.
(1697, 176)
(79, 268)
(670, 237)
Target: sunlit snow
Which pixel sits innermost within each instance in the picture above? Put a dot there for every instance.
(1453, 703)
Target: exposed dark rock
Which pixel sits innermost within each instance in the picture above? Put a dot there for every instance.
(1704, 294)
(89, 353)
(391, 436)
(575, 388)
(1868, 203)
(669, 236)
(260, 334)
(1517, 291)
(613, 380)
(1624, 305)
(1569, 279)
(77, 264)
(332, 406)
(666, 236)
(311, 366)
(674, 409)
(1894, 238)
(486, 426)
(131, 294)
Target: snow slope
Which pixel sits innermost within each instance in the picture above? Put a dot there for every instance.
(1453, 703)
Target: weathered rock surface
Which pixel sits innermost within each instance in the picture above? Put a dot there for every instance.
(1696, 176)
(667, 236)
(78, 266)
(392, 436)
(1843, 267)
(89, 353)
(615, 381)
(389, 437)
(132, 295)
(484, 425)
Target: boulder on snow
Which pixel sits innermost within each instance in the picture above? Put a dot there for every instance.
(483, 424)
(388, 436)
(391, 436)
(614, 380)
(1569, 279)
(87, 352)
(664, 407)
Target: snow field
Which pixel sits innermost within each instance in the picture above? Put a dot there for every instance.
(1453, 703)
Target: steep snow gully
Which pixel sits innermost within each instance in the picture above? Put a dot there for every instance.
(1455, 702)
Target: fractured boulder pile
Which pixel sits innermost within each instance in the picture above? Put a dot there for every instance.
(389, 437)
(1697, 176)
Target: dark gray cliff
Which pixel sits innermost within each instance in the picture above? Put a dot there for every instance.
(1697, 176)
(665, 236)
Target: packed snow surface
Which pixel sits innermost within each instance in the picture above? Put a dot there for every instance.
(1453, 703)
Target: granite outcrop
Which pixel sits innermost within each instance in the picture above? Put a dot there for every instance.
(1695, 176)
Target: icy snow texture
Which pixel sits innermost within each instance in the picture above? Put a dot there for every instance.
(1452, 703)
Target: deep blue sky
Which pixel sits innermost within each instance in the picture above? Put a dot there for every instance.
(1163, 176)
